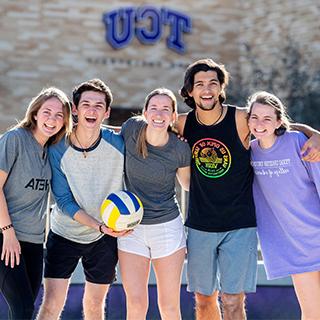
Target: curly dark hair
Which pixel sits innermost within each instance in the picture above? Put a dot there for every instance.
(203, 65)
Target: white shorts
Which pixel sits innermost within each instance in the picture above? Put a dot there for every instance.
(155, 240)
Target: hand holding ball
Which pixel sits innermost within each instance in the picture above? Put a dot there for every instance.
(121, 210)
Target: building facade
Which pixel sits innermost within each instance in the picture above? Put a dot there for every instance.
(136, 46)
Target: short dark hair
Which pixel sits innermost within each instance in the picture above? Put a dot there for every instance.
(92, 85)
(203, 65)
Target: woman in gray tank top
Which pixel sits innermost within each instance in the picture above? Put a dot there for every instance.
(25, 176)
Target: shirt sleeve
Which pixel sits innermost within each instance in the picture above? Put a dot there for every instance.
(184, 155)
(9, 146)
(131, 126)
(59, 185)
(125, 129)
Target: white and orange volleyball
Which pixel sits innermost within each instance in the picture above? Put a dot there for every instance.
(121, 210)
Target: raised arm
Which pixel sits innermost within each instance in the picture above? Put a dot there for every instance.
(311, 149)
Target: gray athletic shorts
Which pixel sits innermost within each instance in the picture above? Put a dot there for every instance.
(224, 261)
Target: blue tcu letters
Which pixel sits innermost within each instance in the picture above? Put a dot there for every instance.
(146, 23)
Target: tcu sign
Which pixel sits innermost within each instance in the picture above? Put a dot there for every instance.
(146, 23)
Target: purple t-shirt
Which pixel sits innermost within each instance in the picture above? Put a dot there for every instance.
(286, 194)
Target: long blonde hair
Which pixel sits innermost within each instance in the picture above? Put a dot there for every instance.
(142, 137)
(30, 123)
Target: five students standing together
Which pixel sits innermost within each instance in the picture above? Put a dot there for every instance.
(88, 162)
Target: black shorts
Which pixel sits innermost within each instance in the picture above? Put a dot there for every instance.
(99, 258)
(20, 285)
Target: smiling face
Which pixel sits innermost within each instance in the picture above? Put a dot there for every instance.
(92, 109)
(159, 113)
(50, 119)
(263, 122)
(206, 90)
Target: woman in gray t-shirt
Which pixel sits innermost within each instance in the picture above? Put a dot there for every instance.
(25, 176)
(154, 158)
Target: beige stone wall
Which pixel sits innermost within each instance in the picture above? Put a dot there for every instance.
(281, 36)
(62, 43)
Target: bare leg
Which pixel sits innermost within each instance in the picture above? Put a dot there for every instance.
(94, 300)
(233, 306)
(55, 291)
(135, 271)
(307, 287)
(168, 272)
(207, 307)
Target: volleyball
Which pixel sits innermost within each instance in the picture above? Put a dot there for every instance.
(121, 210)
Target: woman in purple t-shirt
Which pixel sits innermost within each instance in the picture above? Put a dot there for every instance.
(286, 194)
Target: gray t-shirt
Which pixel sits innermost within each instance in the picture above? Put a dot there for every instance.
(79, 182)
(153, 179)
(27, 186)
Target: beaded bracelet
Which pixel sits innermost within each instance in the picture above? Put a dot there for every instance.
(100, 228)
(6, 227)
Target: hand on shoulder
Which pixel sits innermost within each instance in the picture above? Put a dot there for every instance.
(311, 149)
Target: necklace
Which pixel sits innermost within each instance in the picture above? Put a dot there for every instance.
(85, 150)
(212, 124)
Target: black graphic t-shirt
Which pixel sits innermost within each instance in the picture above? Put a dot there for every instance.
(220, 197)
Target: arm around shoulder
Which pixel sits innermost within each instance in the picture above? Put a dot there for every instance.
(180, 123)
(114, 128)
(242, 126)
(311, 149)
